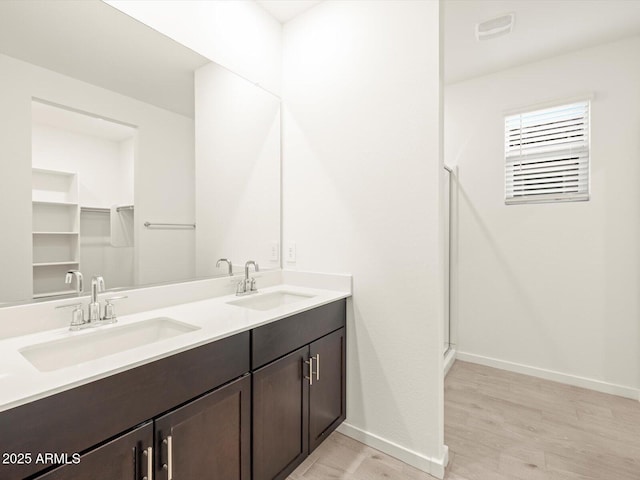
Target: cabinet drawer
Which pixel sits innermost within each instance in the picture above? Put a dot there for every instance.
(75, 420)
(276, 339)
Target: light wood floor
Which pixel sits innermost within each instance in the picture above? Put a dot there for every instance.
(341, 457)
(506, 426)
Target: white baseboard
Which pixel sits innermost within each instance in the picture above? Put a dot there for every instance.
(430, 465)
(449, 358)
(576, 381)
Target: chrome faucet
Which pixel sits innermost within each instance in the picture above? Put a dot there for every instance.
(79, 283)
(97, 286)
(247, 285)
(95, 318)
(228, 263)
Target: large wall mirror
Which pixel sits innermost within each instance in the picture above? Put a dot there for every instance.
(127, 155)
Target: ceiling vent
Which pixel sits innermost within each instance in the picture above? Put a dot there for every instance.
(495, 27)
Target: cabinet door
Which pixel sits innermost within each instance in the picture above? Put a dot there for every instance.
(208, 438)
(327, 398)
(128, 457)
(280, 416)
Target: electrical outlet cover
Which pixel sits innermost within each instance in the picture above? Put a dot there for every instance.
(291, 252)
(275, 251)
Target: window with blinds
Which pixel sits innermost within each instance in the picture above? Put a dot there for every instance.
(547, 155)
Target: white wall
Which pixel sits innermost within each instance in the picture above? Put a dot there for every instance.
(15, 186)
(237, 171)
(239, 35)
(164, 173)
(127, 180)
(98, 162)
(552, 287)
(362, 184)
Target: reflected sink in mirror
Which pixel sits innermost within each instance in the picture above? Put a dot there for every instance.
(57, 354)
(269, 301)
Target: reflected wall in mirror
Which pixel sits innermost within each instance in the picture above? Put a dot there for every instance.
(238, 171)
(100, 133)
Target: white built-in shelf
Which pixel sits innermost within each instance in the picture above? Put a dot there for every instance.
(47, 171)
(53, 294)
(55, 225)
(55, 264)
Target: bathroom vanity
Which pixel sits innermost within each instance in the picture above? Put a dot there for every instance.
(249, 401)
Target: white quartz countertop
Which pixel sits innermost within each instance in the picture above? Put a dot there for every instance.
(21, 382)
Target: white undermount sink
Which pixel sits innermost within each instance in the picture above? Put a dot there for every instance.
(271, 300)
(57, 354)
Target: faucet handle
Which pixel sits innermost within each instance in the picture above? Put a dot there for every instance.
(77, 316)
(109, 309)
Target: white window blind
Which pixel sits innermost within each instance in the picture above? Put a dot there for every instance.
(547, 155)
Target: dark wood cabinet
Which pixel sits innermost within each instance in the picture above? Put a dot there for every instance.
(280, 412)
(209, 438)
(128, 457)
(327, 395)
(298, 400)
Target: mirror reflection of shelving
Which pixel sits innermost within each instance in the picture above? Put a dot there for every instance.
(83, 217)
(55, 228)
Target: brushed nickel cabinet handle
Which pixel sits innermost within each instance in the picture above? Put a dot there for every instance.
(169, 465)
(318, 367)
(149, 454)
(310, 377)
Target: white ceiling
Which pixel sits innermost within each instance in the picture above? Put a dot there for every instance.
(285, 10)
(542, 28)
(96, 43)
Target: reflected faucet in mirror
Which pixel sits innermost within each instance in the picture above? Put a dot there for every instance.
(228, 263)
(79, 283)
